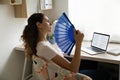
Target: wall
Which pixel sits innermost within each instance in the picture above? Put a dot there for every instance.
(10, 31)
(96, 15)
(11, 28)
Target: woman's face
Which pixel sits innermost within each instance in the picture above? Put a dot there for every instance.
(45, 26)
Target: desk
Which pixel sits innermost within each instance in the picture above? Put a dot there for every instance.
(100, 57)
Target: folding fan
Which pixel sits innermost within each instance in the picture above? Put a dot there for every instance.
(64, 34)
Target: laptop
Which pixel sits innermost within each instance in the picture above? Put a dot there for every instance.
(99, 44)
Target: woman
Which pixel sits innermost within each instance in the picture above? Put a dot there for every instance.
(34, 37)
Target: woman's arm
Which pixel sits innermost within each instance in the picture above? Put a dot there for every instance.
(74, 64)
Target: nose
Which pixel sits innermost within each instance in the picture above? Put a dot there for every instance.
(50, 23)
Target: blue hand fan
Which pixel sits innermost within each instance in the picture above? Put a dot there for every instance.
(64, 34)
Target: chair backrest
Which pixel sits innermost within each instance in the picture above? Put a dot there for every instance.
(47, 70)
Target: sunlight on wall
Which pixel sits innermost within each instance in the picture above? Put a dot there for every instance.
(96, 15)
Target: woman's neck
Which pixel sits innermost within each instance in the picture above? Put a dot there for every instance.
(42, 37)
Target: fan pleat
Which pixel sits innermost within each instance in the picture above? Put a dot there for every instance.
(63, 37)
(61, 26)
(61, 29)
(64, 24)
(62, 21)
(62, 42)
(57, 34)
(70, 49)
(65, 47)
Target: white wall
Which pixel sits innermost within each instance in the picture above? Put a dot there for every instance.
(96, 15)
(10, 31)
(11, 28)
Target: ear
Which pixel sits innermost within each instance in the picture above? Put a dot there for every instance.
(38, 24)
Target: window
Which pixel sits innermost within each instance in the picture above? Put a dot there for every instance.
(96, 15)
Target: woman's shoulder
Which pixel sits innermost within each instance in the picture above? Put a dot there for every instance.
(43, 43)
(40, 45)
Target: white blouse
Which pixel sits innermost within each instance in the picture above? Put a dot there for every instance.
(46, 50)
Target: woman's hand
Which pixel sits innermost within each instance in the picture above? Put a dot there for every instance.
(78, 37)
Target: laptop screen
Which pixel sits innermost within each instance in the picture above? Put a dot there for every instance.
(100, 40)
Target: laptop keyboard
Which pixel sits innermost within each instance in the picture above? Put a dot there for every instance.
(94, 49)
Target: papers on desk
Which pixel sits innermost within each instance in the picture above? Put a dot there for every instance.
(114, 51)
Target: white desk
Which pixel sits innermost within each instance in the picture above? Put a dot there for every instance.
(105, 57)
(100, 57)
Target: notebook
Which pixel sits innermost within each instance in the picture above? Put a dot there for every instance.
(98, 45)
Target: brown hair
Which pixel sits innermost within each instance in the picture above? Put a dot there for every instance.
(30, 34)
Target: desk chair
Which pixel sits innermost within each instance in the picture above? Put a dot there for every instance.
(47, 70)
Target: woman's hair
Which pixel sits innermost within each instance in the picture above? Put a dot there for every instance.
(30, 34)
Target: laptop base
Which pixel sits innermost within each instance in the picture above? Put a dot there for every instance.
(84, 49)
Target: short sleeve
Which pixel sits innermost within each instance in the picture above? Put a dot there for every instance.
(47, 51)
